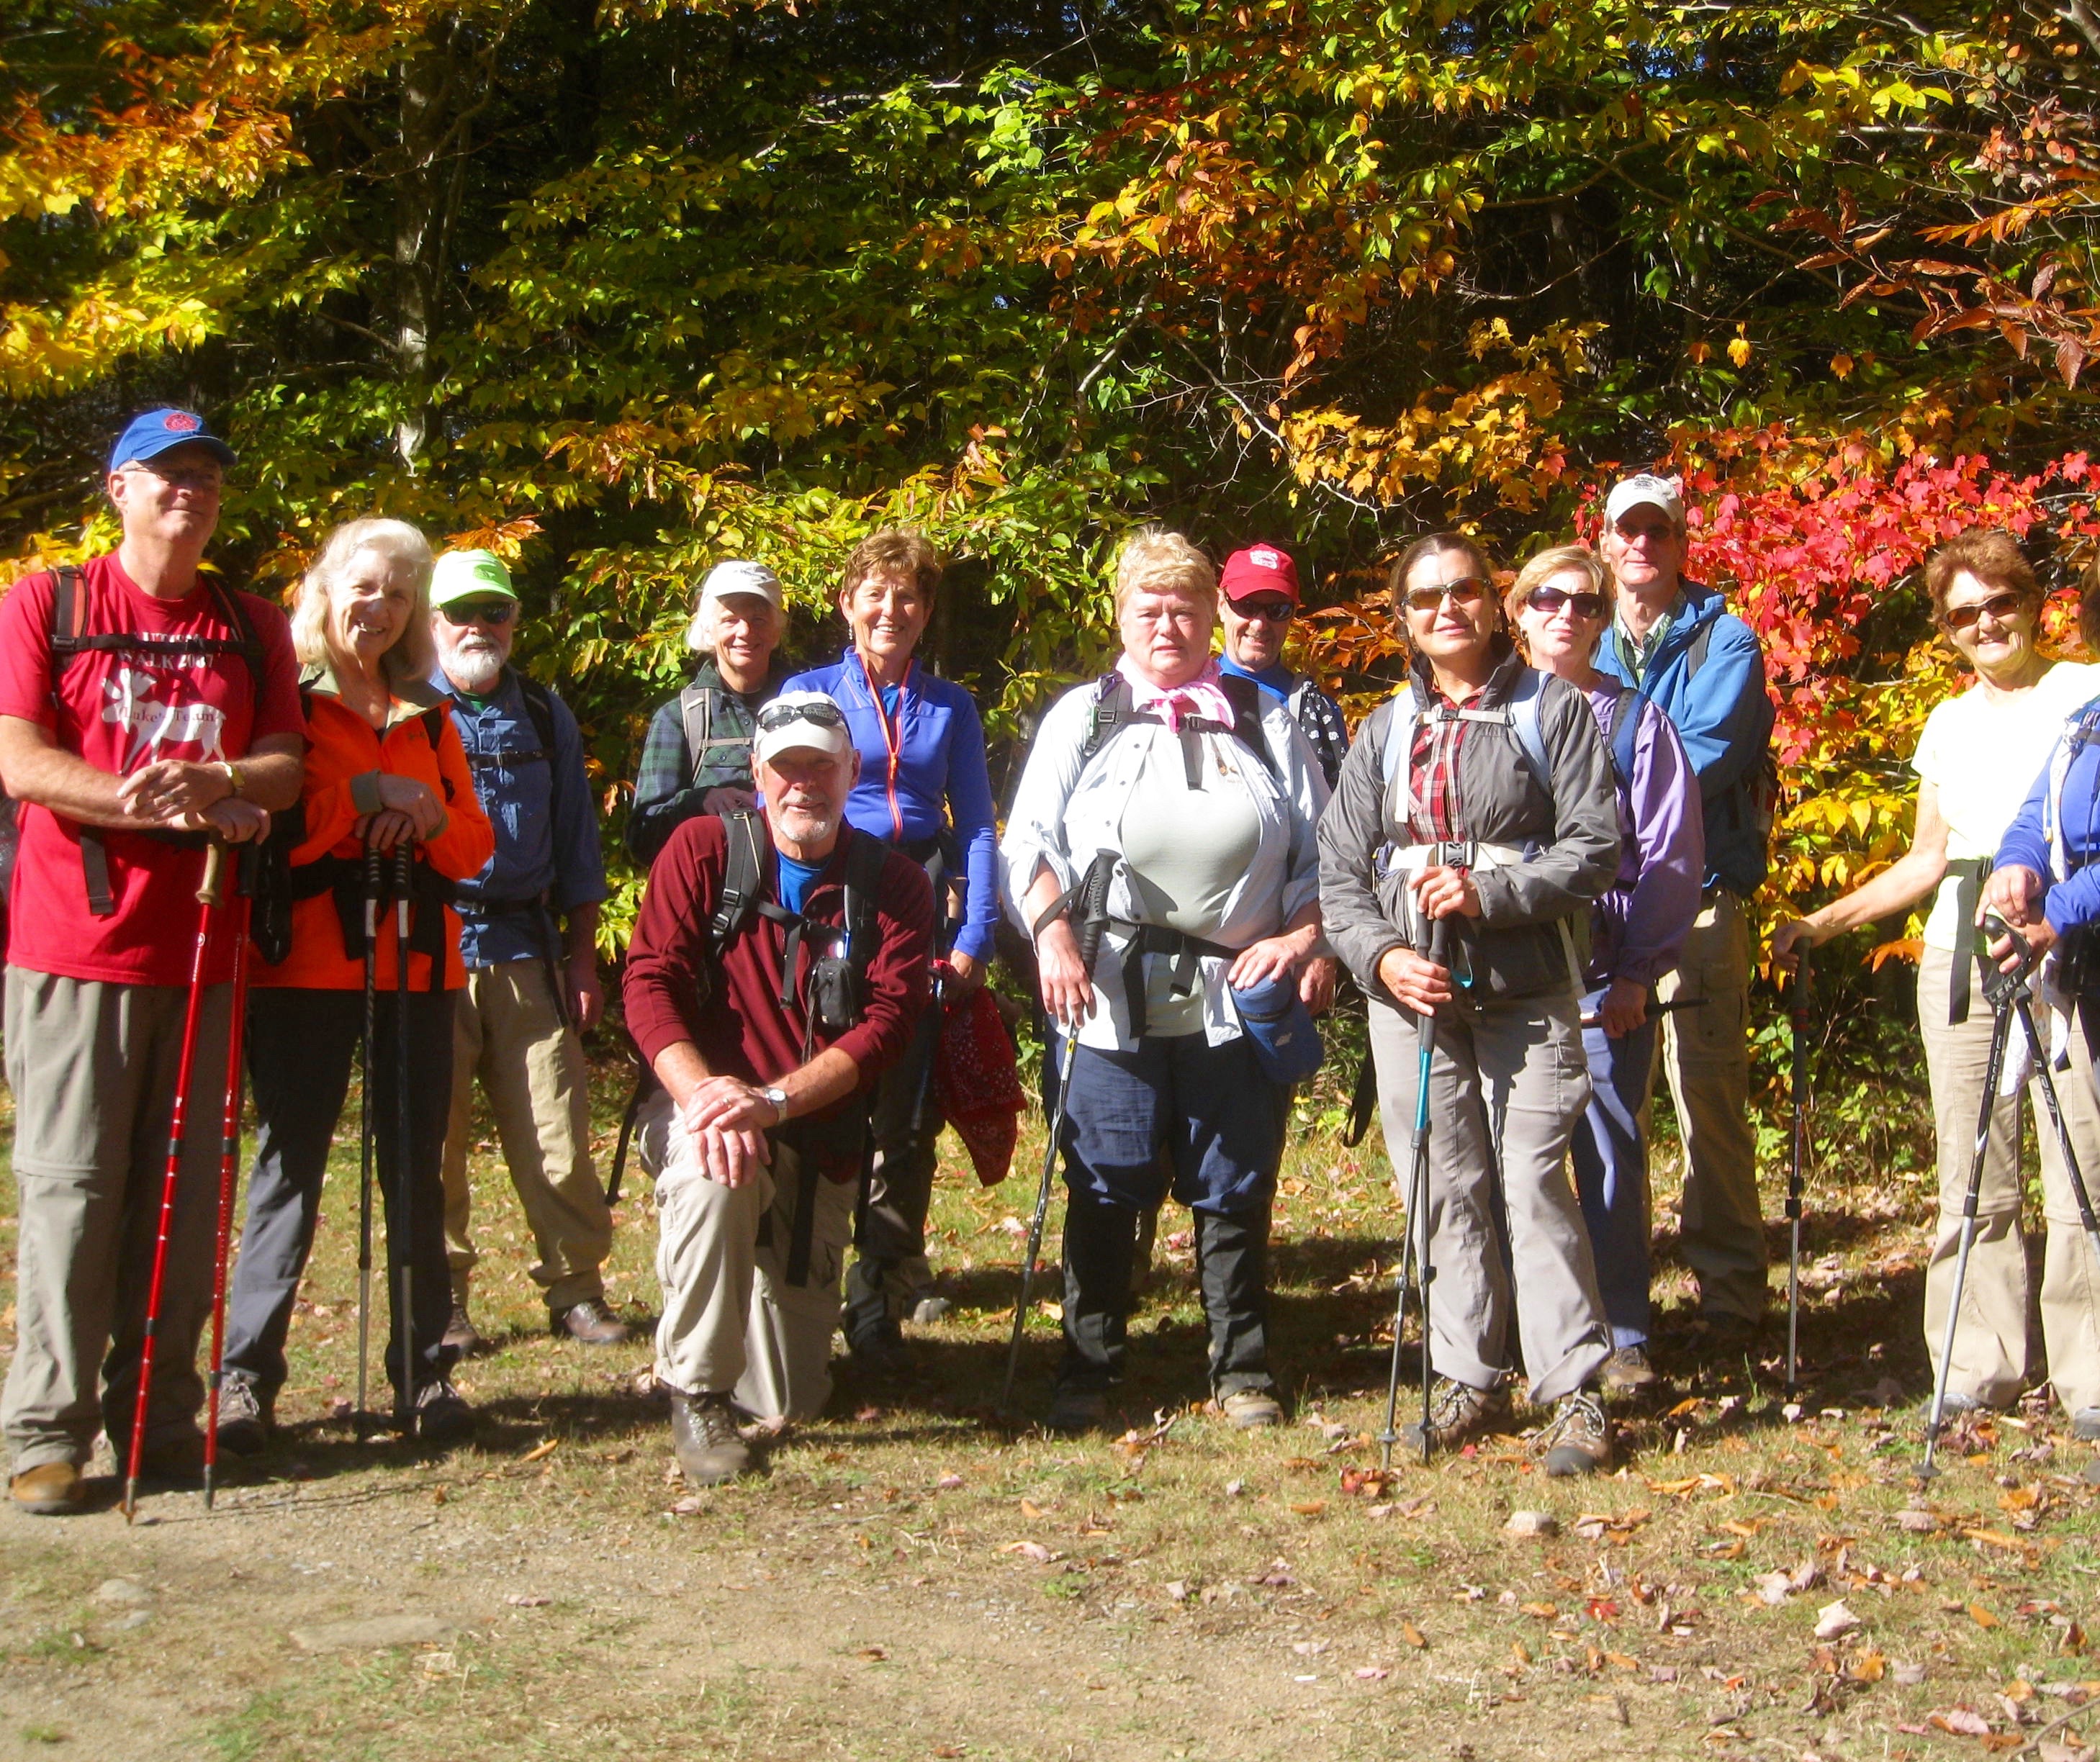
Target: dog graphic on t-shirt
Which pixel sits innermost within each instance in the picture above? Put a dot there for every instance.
(129, 704)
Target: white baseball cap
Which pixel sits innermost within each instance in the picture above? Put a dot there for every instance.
(801, 719)
(725, 581)
(1644, 489)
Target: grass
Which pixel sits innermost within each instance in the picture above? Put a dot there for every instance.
(915, 1578)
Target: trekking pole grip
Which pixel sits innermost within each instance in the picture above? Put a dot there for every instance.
(212, 888)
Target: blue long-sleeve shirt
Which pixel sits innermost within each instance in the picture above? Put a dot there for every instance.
(2075, 900)
(921, 769)
(546, 833)
(1723, 716)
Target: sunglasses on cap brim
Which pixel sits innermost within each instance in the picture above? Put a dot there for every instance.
(820, 714)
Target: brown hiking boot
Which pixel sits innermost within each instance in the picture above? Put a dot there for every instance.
(1628, 1369)
(1458, 1415)
(703, 1434)
(50, 1490)
(1250, 1409)
(1579, 1439)
(245, 1421)
(589, 1321)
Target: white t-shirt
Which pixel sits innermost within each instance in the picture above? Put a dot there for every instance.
(1984, 756)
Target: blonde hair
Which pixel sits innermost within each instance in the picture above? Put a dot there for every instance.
(1558, 560)
(1159, 560)
(406, 550)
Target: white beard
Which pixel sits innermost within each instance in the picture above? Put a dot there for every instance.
(474, 667)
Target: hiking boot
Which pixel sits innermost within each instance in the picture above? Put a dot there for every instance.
(1579, 1440)
(703, 1434)
(1250, 1409)
(2085, 1425)
(443, 1416)
(1960, 1403)
(461, 1334)
(245, 1422)
(1458, 1415)
(177, 1461)
(878, 1350)
(50, 1490)
(1076, 1408)
(589, 1321)
(1628, 1369)
(1723, 1331)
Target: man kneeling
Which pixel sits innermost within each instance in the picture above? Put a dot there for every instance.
(778, 966)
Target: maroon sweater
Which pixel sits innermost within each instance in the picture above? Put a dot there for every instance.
(741, 1030)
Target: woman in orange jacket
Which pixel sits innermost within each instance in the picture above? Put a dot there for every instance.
(385, 772)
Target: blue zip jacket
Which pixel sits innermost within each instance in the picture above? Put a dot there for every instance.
(939, 775)
(1724, 715)
(2075, 900)
(545, 822)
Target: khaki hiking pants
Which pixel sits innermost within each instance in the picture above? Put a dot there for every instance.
(731, 1320)
(1991, 1344)
(507, 1032)
(1507, 1082)
(93, 1067)
(1705, 1054)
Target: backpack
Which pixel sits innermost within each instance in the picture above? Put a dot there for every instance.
(70, 639)
(1760, 785)
(1521, 717)
(1112, 709)
(743, 897)
(696, 717)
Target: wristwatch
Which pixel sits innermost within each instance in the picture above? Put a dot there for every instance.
(778, 1097)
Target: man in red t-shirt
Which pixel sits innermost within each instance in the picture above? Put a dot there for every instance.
(118, 754)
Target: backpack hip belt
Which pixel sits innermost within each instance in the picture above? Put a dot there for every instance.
(1450, 853)
(1187, 953)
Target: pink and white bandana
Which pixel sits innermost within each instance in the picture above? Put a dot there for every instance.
(1200, 696)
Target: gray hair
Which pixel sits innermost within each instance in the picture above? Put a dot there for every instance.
(407, 553)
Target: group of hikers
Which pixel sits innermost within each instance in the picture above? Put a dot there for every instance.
(1534, 861)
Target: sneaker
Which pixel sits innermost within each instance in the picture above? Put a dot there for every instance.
(2085, 1425)
(589, 1321)
(50, 1490)
(1458, 1414)
(1628, 1369)
(245, 1422)
(443, 1416)
(1579, 1440)
(1076, 1407)
(703, 1435)
(1250, 1409)
(462, 1335)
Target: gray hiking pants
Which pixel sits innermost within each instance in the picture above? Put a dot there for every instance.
(1507, 1082)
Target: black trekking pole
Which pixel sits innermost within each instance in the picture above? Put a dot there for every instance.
(403, 1241)
(2002, 991)
(1994, 927)
(1091, 902)
(1416, 1243)
(1796, 1174)
(367, 1129)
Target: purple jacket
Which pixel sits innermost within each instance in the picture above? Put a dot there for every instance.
(1637, 929)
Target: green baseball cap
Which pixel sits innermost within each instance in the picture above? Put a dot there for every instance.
(467, 574)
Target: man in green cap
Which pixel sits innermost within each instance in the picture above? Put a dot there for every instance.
(528, 928)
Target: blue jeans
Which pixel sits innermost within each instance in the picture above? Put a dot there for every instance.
(1611, 1171)
(1221, 1123)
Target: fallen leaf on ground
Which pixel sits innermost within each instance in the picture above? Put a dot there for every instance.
(1310, 1508)
(1533, 1523)
(1413, 1636)
(1774, 1588)
(1960, 1721)
(1868, 1667)
(1833, 1620)
(1372, 1673)
(874, 1653)
(1982, 1616)
(538, 1451)
(525, 1600)
(1917, 1523)
(1034, 1551)
(1542, 1611)
(1308, 1648)
(1030, 1509)
(948, 1484)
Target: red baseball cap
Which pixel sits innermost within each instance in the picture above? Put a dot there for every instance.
(1258, 569)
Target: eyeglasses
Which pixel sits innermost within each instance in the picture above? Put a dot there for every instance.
(2000, 606)
(1467, 590)
(196, 478)
(496, 612)
(823, 714)
(1551, 599)
(1268, 611)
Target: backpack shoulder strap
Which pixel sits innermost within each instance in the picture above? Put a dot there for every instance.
(68, 611)
(743, 881)
(1244, 695)
(696, 717)
(1695, 651)
(1109, 711)
(1393, 754)
(540, 708)
(243, 627)
(865, 855)
(1624, 730)
(1524, 720)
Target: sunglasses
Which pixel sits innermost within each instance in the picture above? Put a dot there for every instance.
(498, 612)
(1268, 611)
(1467, 590)
(778, 714)
(1551, 599)
(2001, 606)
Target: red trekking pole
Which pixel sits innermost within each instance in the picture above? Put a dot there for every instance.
(229, 1163)
(207, 899)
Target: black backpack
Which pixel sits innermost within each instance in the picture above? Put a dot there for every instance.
(1112, 709)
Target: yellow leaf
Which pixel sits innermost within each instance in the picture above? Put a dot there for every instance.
(1739, 351)
(1413, 1636)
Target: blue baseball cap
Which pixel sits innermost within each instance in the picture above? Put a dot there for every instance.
(157, 430)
